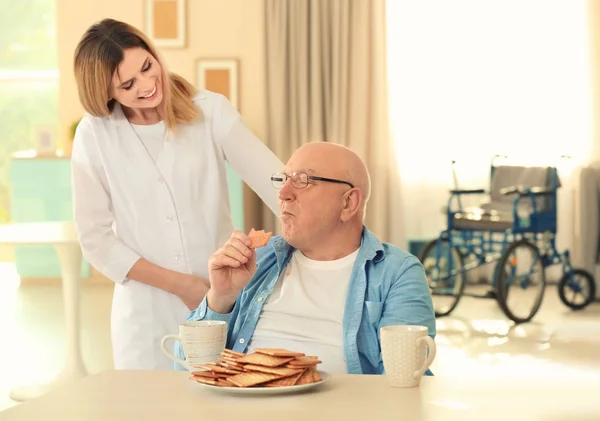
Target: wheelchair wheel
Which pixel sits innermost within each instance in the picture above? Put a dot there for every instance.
(521, 281)
(445, 275)
(577, 290)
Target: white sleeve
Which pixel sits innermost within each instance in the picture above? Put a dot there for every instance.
(92, 210)
(250, 158)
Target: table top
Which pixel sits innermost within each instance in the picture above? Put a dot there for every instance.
(160, 395)
(33, 233)
(33, 154)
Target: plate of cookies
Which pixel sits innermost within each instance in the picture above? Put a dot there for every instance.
(266, 371)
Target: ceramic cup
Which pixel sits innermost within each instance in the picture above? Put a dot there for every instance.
(407, 353)
(202, 341)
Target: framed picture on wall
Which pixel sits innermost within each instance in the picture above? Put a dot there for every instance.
(165, 22)
(219, 75)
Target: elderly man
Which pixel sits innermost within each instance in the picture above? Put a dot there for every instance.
(327, 285)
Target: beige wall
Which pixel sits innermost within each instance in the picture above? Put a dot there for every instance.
(223, 28)
(594, 22)
(215, 28)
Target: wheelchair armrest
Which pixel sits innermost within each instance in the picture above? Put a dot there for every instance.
(526, 191)
(538, 191)
(468, 191)
(509, 190)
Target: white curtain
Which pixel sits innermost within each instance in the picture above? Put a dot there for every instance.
(472, 78)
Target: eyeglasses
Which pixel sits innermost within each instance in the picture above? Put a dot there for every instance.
(301, 179)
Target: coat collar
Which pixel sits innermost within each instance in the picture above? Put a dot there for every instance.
(117, 116)
(370, 248)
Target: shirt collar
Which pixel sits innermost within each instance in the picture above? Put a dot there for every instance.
(370, 248)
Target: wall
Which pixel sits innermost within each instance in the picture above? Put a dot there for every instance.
(223, 28)
(594, 22)
(227, 28)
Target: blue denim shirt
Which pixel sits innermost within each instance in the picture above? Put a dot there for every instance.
(387, 287)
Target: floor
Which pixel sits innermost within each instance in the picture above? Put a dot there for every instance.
(476, 340)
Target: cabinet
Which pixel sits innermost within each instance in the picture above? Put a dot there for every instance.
(236, 198)
(41, 191)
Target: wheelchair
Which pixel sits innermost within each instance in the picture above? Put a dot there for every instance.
(513, 229)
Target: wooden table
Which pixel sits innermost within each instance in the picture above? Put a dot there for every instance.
(63, 237)
(169, 395)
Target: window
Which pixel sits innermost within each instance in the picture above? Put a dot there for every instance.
(469, 79)
(28, 82)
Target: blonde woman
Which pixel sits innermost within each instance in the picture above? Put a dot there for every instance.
(150, 192)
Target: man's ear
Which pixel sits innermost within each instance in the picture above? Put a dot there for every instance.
(352, 202)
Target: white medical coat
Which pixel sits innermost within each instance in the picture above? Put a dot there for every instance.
(174, 213)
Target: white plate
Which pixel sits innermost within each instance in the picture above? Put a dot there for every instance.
(325, 377)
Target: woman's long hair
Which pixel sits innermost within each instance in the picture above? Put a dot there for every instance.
(97, 57)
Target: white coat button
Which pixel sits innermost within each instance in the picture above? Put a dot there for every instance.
(160, 180)
(242, 341)
(176, 256)
(260, 299)
(169, 218)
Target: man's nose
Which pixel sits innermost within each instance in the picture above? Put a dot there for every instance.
(287, 191)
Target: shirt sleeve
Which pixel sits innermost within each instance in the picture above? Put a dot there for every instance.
(92, 210)
(250, 158)
(409, 300)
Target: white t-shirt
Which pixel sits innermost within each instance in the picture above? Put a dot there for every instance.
(152, 136)
(305, 312)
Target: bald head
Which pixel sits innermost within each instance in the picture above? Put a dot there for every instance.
(323, 200)
(334, 161)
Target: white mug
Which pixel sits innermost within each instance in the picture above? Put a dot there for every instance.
(202, 341)
(407, 353)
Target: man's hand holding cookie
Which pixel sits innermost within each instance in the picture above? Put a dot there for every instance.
(231, 268)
